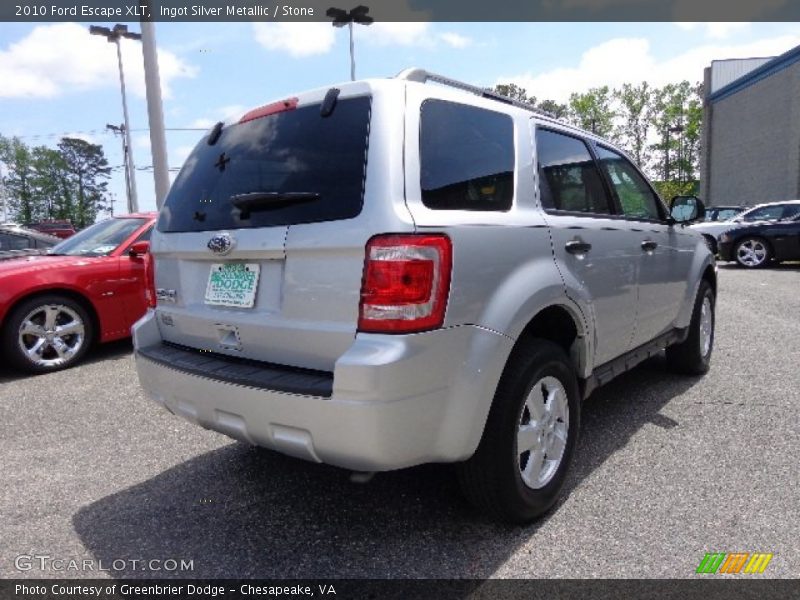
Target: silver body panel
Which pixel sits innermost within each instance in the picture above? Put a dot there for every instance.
(400, 400)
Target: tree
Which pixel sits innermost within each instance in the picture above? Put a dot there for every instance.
(86, 173)
(52, 189)
(18, 182)
(592, 111)
(677, 119)
(635, 112)
(515, 92)
(558, 110)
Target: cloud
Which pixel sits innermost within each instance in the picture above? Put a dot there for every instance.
(300, 40)
(141, 141)
(716, 31)
(297, 39)
(396, 34)
(86, 137)
(599, 65)
(223, 113)
(56, 59)
(455, 40)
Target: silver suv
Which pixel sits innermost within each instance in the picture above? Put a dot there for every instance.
(390, 272)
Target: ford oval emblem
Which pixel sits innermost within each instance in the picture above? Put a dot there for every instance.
(222, 243)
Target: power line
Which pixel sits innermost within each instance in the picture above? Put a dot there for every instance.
(99, 132)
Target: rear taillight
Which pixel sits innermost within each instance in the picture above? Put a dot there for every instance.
(150, 280)
(406, 283)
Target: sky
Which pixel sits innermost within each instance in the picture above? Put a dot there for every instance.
(57, 80)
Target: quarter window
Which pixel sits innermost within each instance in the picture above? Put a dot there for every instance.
(10, 241)
(568, 177)
(636, 198)
(466, 157)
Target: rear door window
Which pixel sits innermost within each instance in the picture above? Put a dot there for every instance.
(466, 157)
(568, 177)
(296, 151)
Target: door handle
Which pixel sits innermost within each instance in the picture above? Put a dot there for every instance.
(649, 245)
(576, 247)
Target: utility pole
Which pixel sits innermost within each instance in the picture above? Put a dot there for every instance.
(155, 109)
(3, 197)
(120, 130)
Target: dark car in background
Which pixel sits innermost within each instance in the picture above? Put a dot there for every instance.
(722, 213)
(771, 211)
(754, 245)
(16, 240)
(59, 228)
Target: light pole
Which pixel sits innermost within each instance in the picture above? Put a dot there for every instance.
(679, 129)
(341, 18)
(114, 36)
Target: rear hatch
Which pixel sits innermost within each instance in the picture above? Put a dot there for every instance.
(260, 246)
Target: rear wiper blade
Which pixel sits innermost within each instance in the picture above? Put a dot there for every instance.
(257, 201)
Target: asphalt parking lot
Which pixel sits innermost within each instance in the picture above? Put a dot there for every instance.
(668, 468)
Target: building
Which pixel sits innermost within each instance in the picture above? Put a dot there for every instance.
(751, 131)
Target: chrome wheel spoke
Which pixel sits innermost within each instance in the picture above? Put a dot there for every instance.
(558, 442)
(30, 328)
(527, 438)
(35, 351)
(71, 328)
(533, 468)
(50, 317)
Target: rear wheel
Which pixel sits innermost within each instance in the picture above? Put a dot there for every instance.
(521, 463)
(693, 355)
(753, 253)
(46, 333)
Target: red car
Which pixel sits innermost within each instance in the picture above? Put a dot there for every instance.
(89, 288)
(62, 229)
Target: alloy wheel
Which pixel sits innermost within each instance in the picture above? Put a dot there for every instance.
(542, 432)
(51, 335)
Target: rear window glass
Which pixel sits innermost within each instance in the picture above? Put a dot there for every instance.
(288, 152)
(466, 157)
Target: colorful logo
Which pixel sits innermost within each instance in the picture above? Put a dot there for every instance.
(734, 562)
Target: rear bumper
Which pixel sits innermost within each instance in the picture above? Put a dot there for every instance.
(396, 401)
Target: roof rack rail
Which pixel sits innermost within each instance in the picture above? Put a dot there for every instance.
(423, 76)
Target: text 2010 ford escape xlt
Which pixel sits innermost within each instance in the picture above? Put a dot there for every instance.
(389, 273)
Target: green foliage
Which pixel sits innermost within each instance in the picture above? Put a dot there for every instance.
(636, 113)
(669, 189)
(512, 90)
(45, 183)
(593, 111)
(660, 128)
(558, 110)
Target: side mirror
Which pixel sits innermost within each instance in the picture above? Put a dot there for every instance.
(138, 249)
(685, 209)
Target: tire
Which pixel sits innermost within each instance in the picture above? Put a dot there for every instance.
(693, 355)
(59, 333)
(752, 253)
(503, 482)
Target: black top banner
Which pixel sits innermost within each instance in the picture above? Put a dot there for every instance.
(401, 10)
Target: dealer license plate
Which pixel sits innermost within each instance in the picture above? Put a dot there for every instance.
(233, 284)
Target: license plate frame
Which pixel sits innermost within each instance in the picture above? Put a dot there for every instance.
(232, 284)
